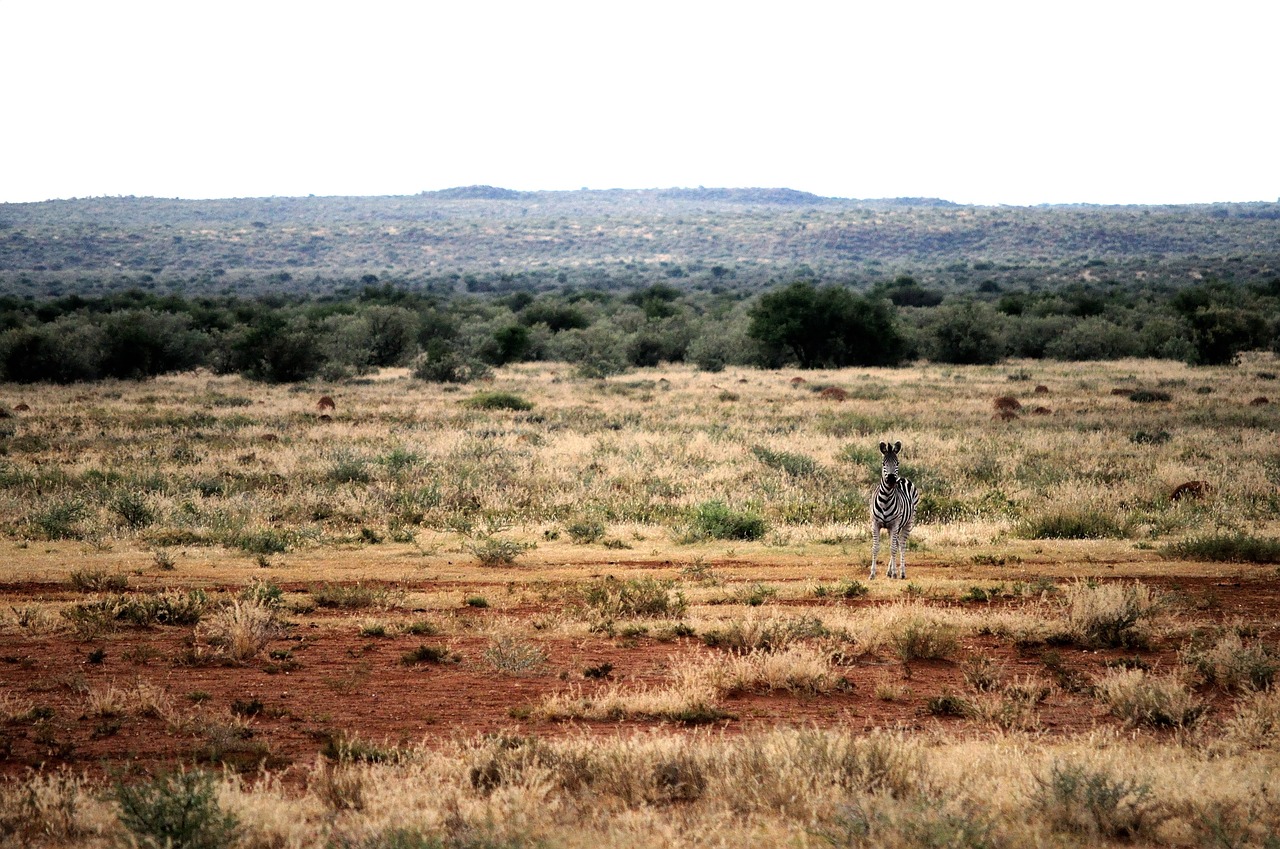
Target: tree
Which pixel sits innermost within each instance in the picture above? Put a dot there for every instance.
(966, 333)
(826, 327)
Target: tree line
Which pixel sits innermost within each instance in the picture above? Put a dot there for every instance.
(455, 337)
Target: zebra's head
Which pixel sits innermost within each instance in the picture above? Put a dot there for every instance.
(889, 468)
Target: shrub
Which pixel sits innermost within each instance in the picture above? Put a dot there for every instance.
(98, 580)
(1230, 664)
(922, 638)
(176, 811)
(350, 597)
(610, 599)
(1232, 548)
(497, 401)
(826, 327)
(1081, 799)
(263, 542)
(1149, 396)
(1108, 615)
(59, 520)
(1140, 698)
(585, 531)
(716, 520)
(510, 656)
(493, 551)
(1082, 523)
(949, 704)
(133, 510)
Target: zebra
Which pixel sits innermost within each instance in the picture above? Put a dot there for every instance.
(893, 507)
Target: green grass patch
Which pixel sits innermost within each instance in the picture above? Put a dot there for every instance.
(497, 401)
(1082, 523)
(716, 520)
(1227, 548)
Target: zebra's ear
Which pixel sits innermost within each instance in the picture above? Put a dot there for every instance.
(884, 448)
(897, 446)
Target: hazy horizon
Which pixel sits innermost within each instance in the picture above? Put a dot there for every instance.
(983, 103)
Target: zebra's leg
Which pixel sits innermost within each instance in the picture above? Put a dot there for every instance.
(875, 549)
(902, 552)
(893, 545)
(897, 542)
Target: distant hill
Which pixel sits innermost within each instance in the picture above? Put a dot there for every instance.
(487, 238)
(476, 193)
(773, 196)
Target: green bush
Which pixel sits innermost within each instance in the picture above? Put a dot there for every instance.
(716, 520)
(1080, 523)
(1231, 548)
(497, 401)
(59, 519)
(349, 597)
(494, 551)
(133, 510)
(585, 531)
(176, 811)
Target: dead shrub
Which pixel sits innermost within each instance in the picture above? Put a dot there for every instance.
(1007, 403)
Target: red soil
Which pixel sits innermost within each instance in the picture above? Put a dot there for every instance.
(327, 681)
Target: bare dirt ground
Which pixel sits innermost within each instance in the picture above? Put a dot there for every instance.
(324, 681)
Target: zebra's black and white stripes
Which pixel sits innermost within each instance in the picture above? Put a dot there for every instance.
(893, 508)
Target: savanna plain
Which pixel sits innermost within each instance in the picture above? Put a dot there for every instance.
(551, 611)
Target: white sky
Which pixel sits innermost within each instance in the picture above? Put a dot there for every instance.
(1037, 101)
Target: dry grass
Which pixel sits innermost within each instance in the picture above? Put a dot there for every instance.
(404, 485)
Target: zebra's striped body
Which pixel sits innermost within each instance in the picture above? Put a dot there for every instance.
(893, 508)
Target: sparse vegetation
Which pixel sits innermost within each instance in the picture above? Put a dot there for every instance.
(600, 662)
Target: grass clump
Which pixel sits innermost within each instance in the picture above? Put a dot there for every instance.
(511, 656)
(1072, 523)
(495, 551)
(847, 588)
(716, 520)
(924, 638)
(796, 465)
(1113, 615)
(350, 596)
(98, 580)
(1156, 701)
(497, 401)
(1232, 665)
(610, 599)
(585, 531)
(176, 811)
(1226, 548)
(1080, 799)
(765, 633)
(241, 631)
